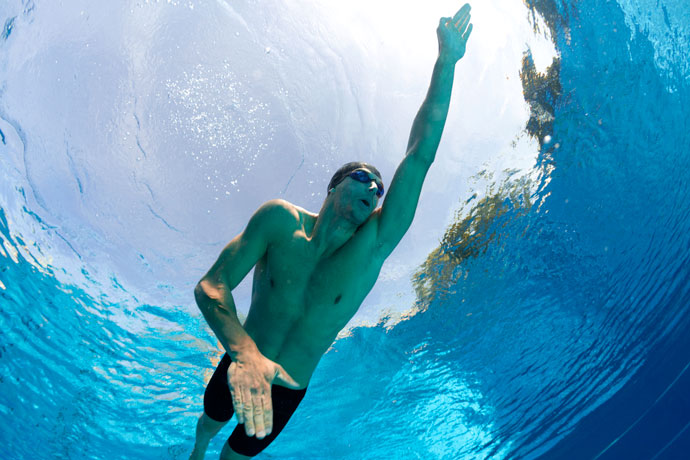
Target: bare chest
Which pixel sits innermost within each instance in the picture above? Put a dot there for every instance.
(301, 300)
(292, 283)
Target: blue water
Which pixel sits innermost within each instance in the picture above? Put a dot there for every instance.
(554, 327)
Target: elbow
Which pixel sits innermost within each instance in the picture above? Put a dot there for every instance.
(423, 152)
(422, 158)
(206, 289)
(201, 297)
(199, 291)
(203, 291)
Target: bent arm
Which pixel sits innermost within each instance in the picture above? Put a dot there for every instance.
(214, 292)
(218, 307)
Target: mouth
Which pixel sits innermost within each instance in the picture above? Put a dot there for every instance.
(365, 203)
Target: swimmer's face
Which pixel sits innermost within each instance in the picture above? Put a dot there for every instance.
(358, 194)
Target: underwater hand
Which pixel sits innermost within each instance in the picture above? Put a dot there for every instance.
(453, 34)
(250, 377)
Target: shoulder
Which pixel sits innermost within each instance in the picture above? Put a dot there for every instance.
(274, 216)
(277, 209)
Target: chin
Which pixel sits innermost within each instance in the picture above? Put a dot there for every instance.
(366, 217)
(358, 218)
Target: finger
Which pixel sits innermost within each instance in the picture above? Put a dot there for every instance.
(462, 24)
(236, 404)
(462, 11)
(285, 378)
(236, 395)
(445, 21)
(466, 35)
(248, 413)
(257, 402)
(268, 413)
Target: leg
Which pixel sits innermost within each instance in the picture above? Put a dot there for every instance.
(228, 454)
(206, 429)
(217, 409)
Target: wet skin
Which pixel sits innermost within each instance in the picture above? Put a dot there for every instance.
(314, 270)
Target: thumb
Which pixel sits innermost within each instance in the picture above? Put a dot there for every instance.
(283, 376)
(443, 21)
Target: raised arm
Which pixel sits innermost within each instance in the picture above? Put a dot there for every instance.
(400, 204)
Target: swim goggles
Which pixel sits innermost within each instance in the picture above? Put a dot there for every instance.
(364, 177)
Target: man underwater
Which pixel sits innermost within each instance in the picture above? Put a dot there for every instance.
(312, 272)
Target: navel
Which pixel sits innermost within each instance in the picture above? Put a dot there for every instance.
(272, 283)
(337, 299)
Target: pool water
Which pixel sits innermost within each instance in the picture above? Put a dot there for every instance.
(545, 317)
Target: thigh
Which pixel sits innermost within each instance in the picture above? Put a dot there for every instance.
(285, 402)
(217, 397)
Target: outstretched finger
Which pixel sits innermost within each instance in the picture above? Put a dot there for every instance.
(285, 378)
(466, 35)
(462, 11)
(462, 24)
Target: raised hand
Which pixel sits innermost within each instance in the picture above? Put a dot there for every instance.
(249, 378)
(453, 34)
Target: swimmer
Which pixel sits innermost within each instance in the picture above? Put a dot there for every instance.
(311, 273)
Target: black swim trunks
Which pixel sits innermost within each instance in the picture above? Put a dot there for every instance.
(218, 406)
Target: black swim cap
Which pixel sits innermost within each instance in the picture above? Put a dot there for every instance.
(347, 168)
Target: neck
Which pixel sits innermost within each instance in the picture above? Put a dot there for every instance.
(331, 231)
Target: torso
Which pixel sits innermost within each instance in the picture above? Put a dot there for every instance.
(300, 301)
